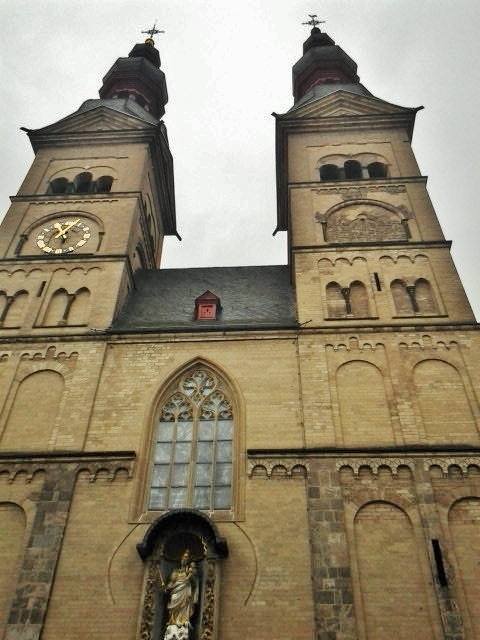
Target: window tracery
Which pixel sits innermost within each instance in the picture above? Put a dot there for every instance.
(194, 445)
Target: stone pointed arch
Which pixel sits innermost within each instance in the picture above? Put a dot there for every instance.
(196, 442)
(182, 551)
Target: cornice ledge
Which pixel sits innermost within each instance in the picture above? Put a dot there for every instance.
(111, 462)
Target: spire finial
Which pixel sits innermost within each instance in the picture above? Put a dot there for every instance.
(152, 32)
(314, 21)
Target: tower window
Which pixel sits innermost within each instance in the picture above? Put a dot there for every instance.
(353, 170)
(103, 184)
(377, 170)
(83, 182)
(329, 172)
(58, 186)
(193, 452)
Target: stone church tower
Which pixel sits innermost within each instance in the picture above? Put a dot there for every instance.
(276, 453)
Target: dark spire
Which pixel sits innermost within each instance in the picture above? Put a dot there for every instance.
(139, 78)
(322, 62)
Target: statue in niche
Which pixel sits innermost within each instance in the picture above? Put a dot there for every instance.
(182, 590)
(181, 595)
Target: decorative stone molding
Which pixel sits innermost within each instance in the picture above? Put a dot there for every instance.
(355, 193)
(68, 202)
(111, 463)
(354, 343)
(278, 467)
(374, 464)
(425, 342)
(50, 354)
(446, 463)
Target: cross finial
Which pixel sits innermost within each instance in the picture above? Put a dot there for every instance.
(153, 31)
(314, 21)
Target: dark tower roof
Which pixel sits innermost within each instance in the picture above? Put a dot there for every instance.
(138, 77)
(323, 62)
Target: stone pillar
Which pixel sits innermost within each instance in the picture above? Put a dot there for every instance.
(450, 616)
(29, 606)
(332, 584)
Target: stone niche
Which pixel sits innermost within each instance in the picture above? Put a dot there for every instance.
(182, 553)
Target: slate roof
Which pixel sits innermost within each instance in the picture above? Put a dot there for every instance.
(122, 105)
(321, 90)
(251, 298)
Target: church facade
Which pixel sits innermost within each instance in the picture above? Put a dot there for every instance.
(280, 452)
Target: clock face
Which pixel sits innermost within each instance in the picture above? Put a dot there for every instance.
(63, 236)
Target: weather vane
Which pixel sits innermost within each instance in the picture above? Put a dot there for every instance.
(314, 21)
(153, 31)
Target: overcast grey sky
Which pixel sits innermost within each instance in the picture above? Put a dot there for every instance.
(228, 67)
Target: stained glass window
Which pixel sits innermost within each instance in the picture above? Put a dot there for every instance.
(194, 446)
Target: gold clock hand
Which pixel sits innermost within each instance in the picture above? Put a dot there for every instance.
(63, 230)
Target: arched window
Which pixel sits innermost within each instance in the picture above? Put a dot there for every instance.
(82, 182)
(377, 170)
(401, 298)
(424, 297)
(336, 305)
(140, 100)
(193, 451)
(329, 172)
(353, 170)
(358, 300)
(12, 308)
(58, 186)
(103, 184)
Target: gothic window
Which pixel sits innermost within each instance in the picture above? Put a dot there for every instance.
(193, 451)
(329, 172)
(353, 170)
